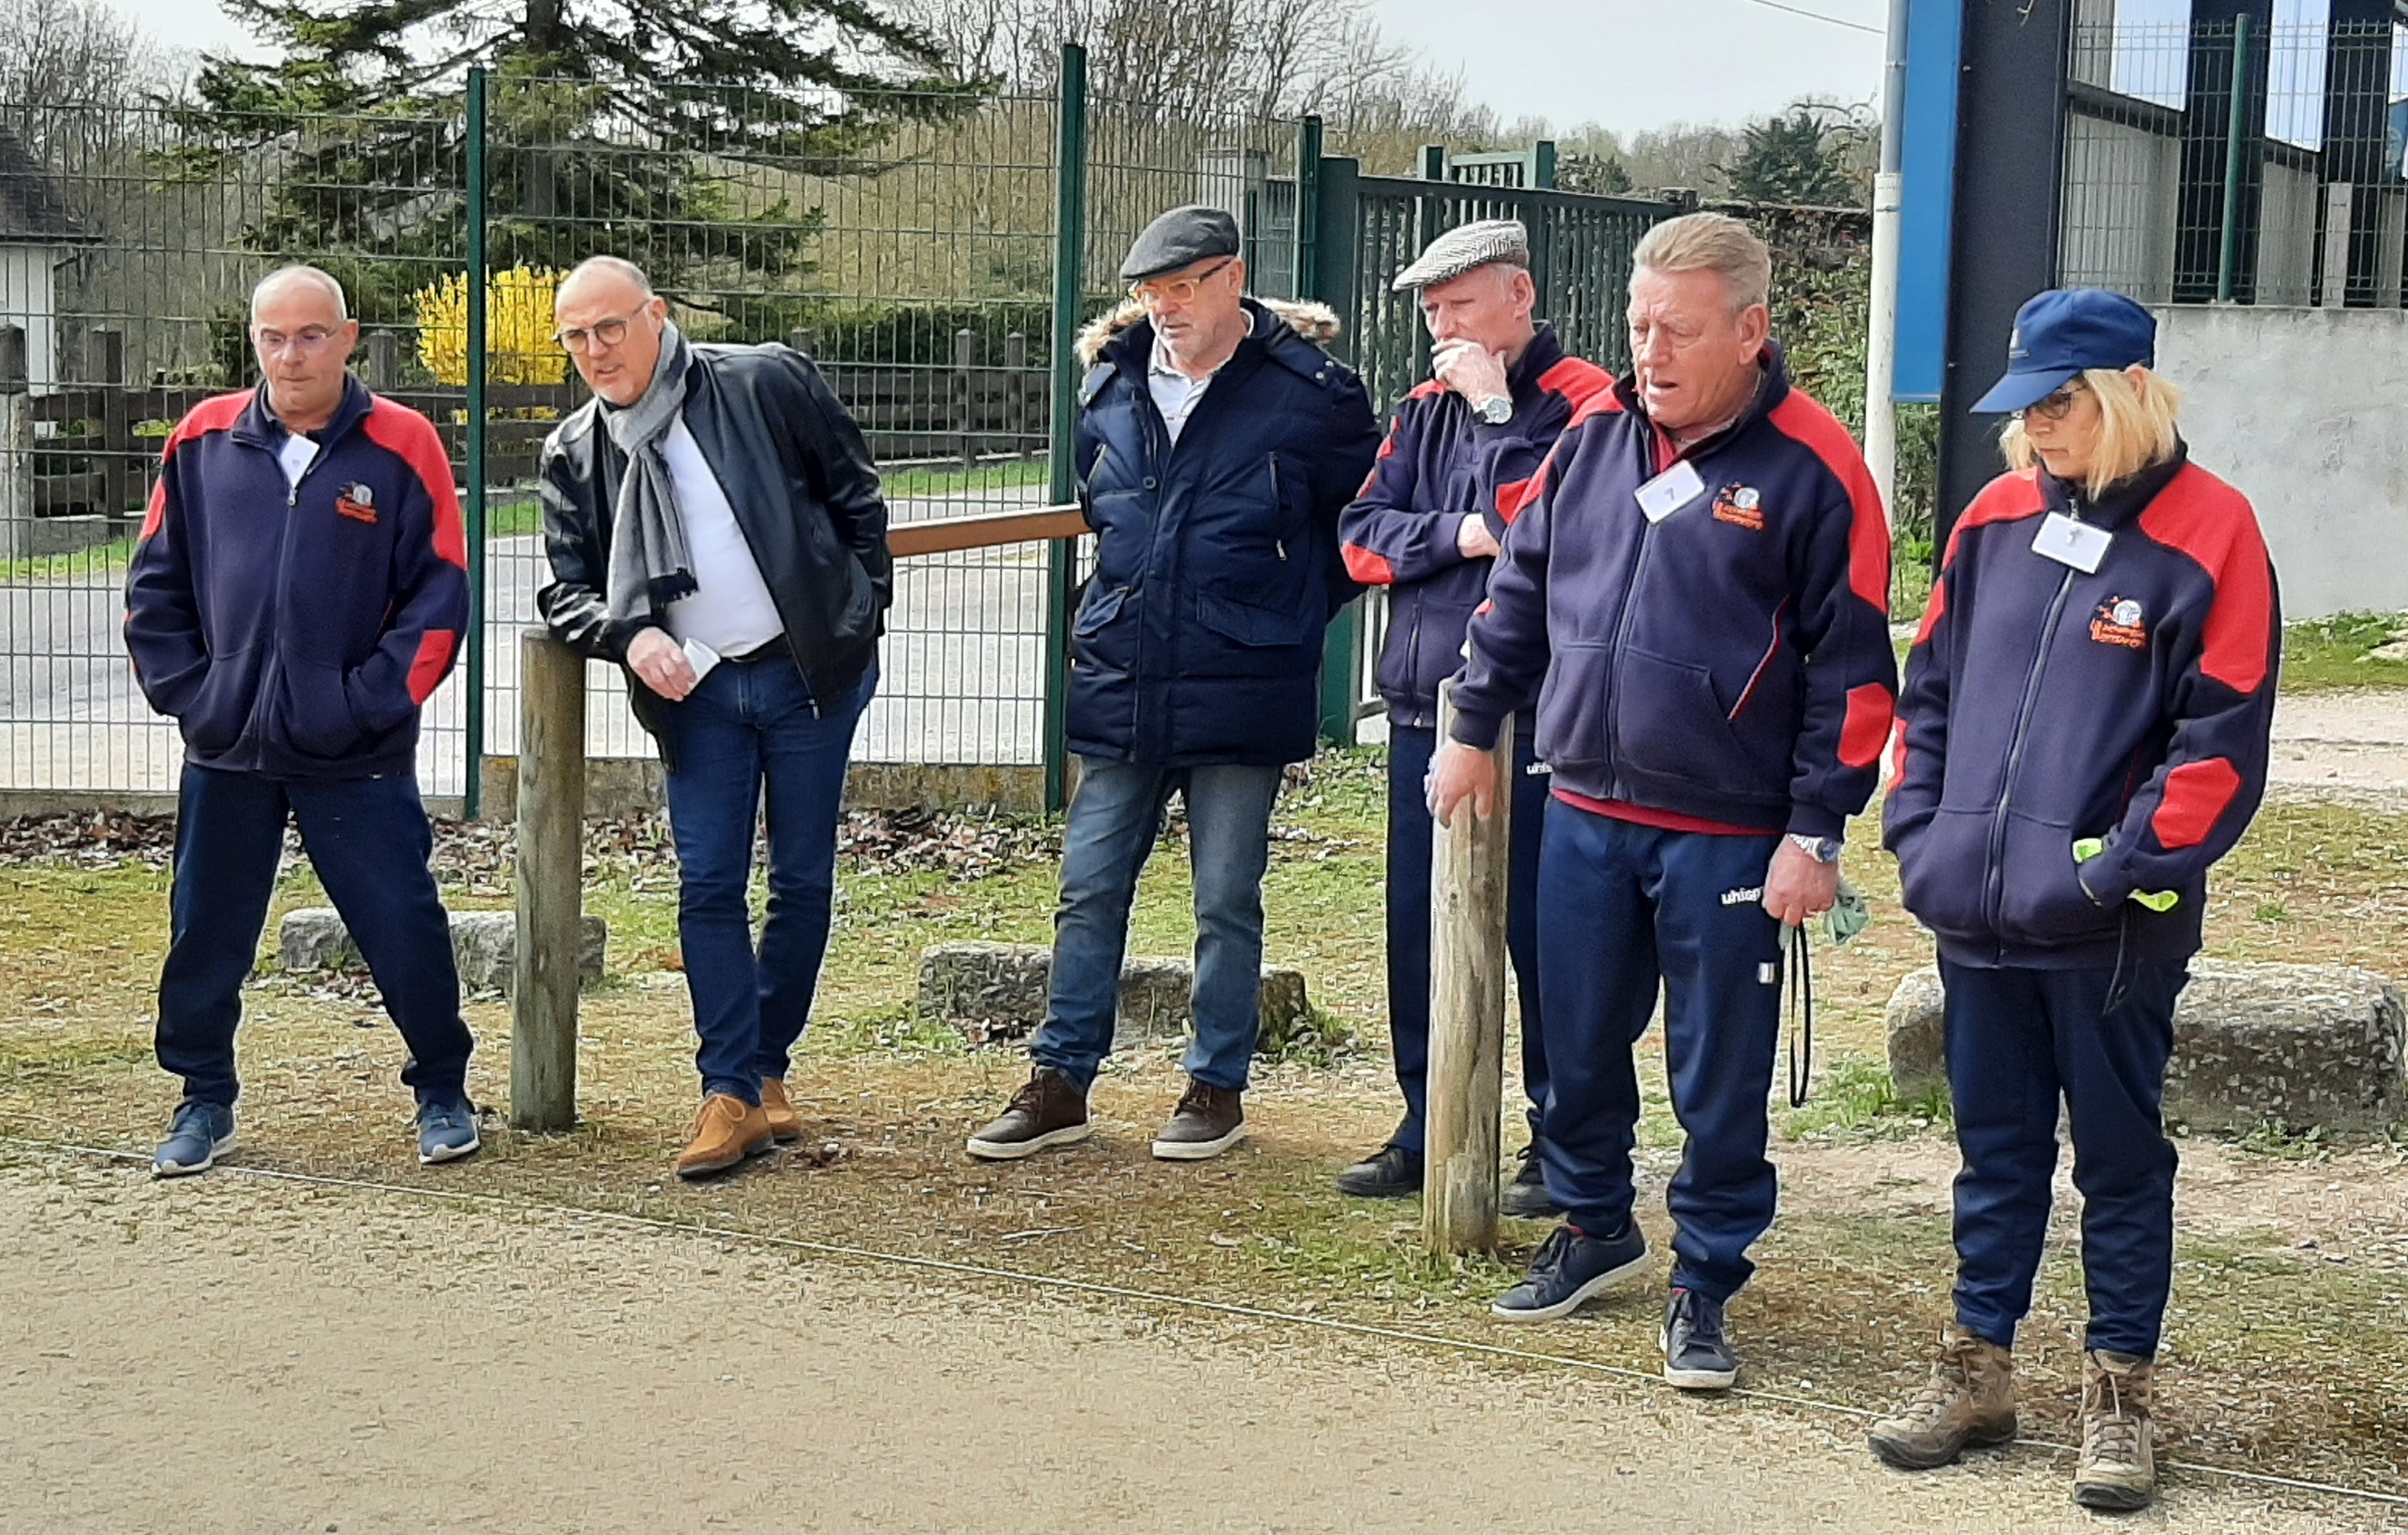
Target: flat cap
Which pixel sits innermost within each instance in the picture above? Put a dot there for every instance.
(1178, 238)
(1466, 247)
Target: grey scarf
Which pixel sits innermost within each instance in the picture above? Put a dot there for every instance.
(650, 564)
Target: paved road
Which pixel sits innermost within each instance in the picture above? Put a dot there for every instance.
(230, 1353)
(963, 679)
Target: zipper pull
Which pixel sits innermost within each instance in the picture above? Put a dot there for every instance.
(1280, 544)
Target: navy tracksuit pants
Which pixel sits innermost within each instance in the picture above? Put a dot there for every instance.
(1630, 909)
(369, 840)
(2018, 1038)
(1410, 748)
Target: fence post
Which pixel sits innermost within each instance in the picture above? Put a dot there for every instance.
(1469, 878)
(550, 882)
(1015, 391)
(106, 359)
(1308, 208)
(1542, 165)
(16, 447)
(384, 372)
(1069, 275)
(2236, 139)
(965, 394)
(472, 790)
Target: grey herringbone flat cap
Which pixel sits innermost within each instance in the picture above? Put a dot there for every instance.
(1465, 247)
(1180, 237)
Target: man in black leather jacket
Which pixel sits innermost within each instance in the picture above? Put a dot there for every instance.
(715, 527)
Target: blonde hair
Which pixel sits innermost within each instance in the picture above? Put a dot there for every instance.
(1709, 242)
(2137, 414)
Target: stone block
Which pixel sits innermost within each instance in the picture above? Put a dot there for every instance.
(484, 945)
(2302, 1046)
(996, 991)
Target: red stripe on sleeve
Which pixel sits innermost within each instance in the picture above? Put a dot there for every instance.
(1931, 611)
(2214, 523)
(1866, 727)
(1580, 383)
(412, 439)
(1512, 497)
(433, 659)
(217, 413)
(1365, 567)
(2196, 796)
(2008, 498)
(1799, 418)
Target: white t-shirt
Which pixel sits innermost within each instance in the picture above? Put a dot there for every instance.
(731, 610)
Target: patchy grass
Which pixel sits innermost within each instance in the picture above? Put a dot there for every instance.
(2325, 654)
(1853, 1277)
(934, 481)
(101, 562)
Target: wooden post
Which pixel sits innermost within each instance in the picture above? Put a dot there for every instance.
(106, 357)
(16, 447)
(1015, 391)
(965, 401)
(384, 374)
(551, 878)
(1470, 874)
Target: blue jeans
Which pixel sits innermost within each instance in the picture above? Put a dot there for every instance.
(368, 840)
(1628, 909)
(2017, 1039)
(747, 728)
(1114, 819)
(1410, 750)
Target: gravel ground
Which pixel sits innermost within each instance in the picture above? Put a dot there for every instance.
(240, 1354)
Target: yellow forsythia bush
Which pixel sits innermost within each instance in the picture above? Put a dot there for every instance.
(519, 348)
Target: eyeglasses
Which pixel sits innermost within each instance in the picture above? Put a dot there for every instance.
(1153, 292)
(602, 333)
(307, 340)
(2056, 405)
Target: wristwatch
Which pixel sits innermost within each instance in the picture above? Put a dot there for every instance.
(1823, 849)
(1497, 410)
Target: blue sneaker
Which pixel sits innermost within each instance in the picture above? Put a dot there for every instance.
(196, 1138)
(447, 1131)
(1570, 1266)
(1697, 1356)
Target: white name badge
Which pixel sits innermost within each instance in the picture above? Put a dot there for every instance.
(1669, 492)
(2069, 542)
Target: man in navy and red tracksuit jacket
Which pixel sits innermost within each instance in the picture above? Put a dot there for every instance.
(1695, 595)
(2083, 732)
(1463, 448)
(300, 589)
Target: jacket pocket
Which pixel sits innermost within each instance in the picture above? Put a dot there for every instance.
(1100, 608)
(311, 711)
(1572, 704)
(2040, 898)
(1250, 627)
(220, 705)
(1942, 869)
(1671, 724)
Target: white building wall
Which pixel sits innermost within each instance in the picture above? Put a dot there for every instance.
(28, 298)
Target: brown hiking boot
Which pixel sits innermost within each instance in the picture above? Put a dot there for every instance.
(2119, 1462)
(1969, 1401)
(785, 1126)
(1051, 1111)
(1209, 1121)
(726, 1132)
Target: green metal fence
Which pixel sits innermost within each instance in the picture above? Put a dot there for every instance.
(2230, 162)
(934, 253)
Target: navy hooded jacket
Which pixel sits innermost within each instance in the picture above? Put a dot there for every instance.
(1440, 465)
(2043, 705)
(1199, 641)
(295, 630)
(1727, 665)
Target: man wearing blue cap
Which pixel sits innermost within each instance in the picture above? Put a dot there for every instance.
(2082, 731)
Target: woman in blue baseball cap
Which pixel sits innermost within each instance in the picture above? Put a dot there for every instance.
(2082, 732)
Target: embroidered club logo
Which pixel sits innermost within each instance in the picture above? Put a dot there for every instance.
(2118, 622)
(356, 502)
(1742, 506)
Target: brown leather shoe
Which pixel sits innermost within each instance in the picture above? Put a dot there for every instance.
(726, 1132)
(1209, 1121)
(2119, 1470)
(785, 1126)
(1051, 1111)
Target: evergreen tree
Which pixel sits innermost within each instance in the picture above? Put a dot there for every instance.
(666, 131)
(1603, 174)
(1794, 158)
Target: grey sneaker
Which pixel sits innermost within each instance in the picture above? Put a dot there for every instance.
(1698, 1356)
(447, 1131)
(1209, 1121)
(198, 1135)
